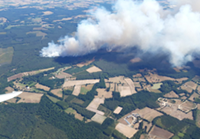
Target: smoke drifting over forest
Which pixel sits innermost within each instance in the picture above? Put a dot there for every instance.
(144, 25)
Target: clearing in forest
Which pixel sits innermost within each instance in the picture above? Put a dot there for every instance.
(77, 90)
(76, 115)
(103, 93)
(93, 106)
(42, 87)
(27, 97)
(160, 133)
(98, 118)
(86, 88)
(118, 110)
(57, 92)
(93, 69)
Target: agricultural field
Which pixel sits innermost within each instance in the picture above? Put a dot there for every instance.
(42, 87)
(160, 133)
(76, 90)
(86, 88)
(189, 86)
(93, 106)
(57, 92)
(27, 97)
(76, 115)
(171, 94)
(118, 110)
(102, 93)
(126, 130)
(98, 118)
(79, 82)
(198, 118)
(93, 69)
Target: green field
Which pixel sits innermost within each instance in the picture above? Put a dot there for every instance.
(6, 55)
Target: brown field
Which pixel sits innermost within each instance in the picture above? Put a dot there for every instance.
(117, 110)
(9, 89)
(42, 87)
(135, 60)
(93, 69)
(189, 86)
(103, 93)
(147, 113)
(86, 88)
(193, 96)
(171, 94)
(57, 92)
(139, 79)
(93, 106)
(85, 63)
(77, 90)
(118, 79)
(80, 82)
(19, 75)
(62, 75)
(196, 78)
(98, 118)
(187, 106)
(198, 89)
(27, 97)
(154, 78)
(137, 75)
(174, 112)
(161, 133)
(126, 130)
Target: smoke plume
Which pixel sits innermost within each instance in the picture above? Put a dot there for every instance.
(137, 24)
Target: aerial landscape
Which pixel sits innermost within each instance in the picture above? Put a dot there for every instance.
(99, 69)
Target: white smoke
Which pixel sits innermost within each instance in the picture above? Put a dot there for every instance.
(145, 25)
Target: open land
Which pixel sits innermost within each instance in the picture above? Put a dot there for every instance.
(80, 82)
(86, 88)
(6, 55)
(189, 86)
(171, 94)
(76, 115)
(126, 130)
(117, 110)
(27, 97)
(77, 90)
(93, 69)
(160, 133)
(42, 87)
(103, 93)
(98, 118)
(57, 92)
(93, 106)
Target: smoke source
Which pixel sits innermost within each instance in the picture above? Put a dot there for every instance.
(136, 24)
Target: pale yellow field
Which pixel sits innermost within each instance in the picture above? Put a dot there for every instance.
(124, 91)
(131, 85)
(93, 106)
(117, 110)
(126, 130)
(42, 87)
(27, 97)
(80, 82)
(93, 69)
(77, 90)
(57, 92)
